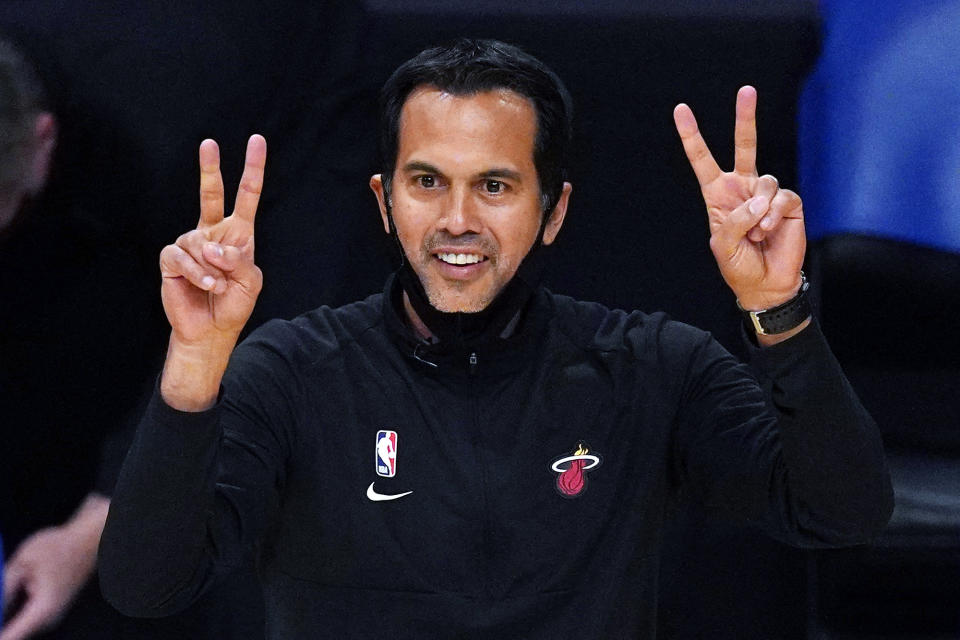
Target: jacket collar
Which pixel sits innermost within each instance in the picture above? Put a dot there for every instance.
(480, 354)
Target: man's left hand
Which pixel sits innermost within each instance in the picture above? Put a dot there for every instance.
(756, 229)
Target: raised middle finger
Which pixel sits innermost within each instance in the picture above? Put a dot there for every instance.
(745, 132)
(251, 182)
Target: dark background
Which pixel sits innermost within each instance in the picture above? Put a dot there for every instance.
(139, 85)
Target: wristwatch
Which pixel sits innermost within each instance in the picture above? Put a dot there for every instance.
(782, 317)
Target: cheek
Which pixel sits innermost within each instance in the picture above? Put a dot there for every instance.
(516, 244)
(409, 224)
(411, 242)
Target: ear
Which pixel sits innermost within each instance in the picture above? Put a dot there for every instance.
(44, 142)
(557, 215)
(376, 184)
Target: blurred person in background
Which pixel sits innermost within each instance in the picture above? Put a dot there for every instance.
(56, 405)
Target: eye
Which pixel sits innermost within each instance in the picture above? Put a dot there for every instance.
(493, 186)
(427, 182)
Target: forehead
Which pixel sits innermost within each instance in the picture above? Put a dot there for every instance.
(489, 123)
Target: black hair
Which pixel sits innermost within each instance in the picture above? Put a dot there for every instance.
(21, 98)
(469, 66)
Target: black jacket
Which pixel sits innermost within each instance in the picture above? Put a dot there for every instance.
(486, 545)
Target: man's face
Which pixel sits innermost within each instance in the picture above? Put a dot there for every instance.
(465, 195)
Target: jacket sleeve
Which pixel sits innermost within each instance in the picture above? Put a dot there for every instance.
(786, 445)
(197, 490)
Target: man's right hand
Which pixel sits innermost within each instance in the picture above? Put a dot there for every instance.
(210, 282)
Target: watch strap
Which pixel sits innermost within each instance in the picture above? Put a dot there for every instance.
(782, 317)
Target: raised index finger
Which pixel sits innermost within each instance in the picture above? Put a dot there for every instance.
(211, 184)
(704, 166)
(251, 182)
(745, 132)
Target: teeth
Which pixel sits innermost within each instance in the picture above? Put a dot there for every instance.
(460, 258)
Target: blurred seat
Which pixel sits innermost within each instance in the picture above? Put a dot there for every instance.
(890, 309)
(880, 174)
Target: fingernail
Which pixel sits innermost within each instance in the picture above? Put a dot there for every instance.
(758, 205)
(217, 249)
(766, 223)
(208, 282)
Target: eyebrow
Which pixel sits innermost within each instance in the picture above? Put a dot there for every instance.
(501, 172)
(420, 166)
(496, 172)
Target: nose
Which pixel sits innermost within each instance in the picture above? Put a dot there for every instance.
(460, 212)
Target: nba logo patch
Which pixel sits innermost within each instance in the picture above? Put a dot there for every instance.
(386, 453)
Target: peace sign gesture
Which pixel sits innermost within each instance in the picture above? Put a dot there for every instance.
(756, 229)
(210, 282)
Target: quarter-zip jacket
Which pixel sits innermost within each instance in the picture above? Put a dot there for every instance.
(484, 544)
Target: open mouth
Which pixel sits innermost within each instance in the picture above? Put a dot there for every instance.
(458, 259)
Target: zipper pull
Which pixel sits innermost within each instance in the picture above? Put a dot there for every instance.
(473, 363)
(417, 357)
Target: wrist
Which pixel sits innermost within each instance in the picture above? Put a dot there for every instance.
(193, 370)
(765, 300)
(768, 340)
(782, 318)
(86, 524)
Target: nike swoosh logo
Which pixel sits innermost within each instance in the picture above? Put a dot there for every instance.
(379, 497)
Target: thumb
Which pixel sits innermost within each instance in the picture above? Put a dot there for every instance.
(35, 615)
(13, 578)
(237, 262)
(728, 235)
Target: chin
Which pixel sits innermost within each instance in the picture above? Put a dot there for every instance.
(458, 302)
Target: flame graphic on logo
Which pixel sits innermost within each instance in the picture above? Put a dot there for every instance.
(572, 478)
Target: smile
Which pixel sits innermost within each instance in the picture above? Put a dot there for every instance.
(460, 258)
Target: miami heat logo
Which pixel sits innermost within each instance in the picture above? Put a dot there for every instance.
(571, 470)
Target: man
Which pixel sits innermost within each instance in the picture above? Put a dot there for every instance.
(467, 454)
